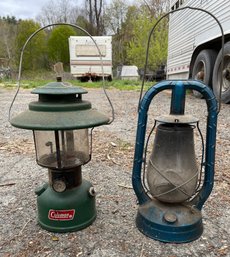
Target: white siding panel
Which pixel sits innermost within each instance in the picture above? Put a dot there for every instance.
(188, 29)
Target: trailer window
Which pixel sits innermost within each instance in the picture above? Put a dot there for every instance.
(177, 4)
(89, 50)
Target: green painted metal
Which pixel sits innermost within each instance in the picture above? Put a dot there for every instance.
(59, 120)
(59, 88)
(71, 210)
(66, 105)
(59, 107)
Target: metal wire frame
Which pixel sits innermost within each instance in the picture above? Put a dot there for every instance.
(202, 157)
(145, 154)
(21, 59)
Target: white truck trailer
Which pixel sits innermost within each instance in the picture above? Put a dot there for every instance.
(85, 62)
(194, 45)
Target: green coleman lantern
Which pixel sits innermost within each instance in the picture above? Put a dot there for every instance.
(60, 120)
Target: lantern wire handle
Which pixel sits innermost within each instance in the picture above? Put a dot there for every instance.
(145, 154)
(202, 156)
(222, 48)
(21, 58)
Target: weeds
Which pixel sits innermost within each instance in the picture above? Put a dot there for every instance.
(117, 84)
(32, 80)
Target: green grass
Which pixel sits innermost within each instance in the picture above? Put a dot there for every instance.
(26, 84)
(117, 84)
(33, 79)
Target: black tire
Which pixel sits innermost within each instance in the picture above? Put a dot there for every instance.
(225, 93)
(203, 68)
(110, 78)
(84, 79)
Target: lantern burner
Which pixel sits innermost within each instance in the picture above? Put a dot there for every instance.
(66, 179)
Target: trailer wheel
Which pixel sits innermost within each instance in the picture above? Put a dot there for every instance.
(110, 78)
(203, 68)
(217, 73)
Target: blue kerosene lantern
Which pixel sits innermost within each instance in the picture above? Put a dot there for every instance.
(170, 207)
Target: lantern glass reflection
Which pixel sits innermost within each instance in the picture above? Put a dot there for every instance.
(172, 171)
(62, 149)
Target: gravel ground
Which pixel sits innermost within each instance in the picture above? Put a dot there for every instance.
(114, 233)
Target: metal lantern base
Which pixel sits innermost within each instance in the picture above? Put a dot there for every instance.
(172, 223)
(71, 210)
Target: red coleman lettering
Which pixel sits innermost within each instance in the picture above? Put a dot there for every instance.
(61, 214)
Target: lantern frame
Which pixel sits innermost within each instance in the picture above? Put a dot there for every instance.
(149, 218)
(58, 109)
(67, 202)
(174, 222)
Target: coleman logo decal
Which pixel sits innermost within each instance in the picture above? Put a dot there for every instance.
(61, 214)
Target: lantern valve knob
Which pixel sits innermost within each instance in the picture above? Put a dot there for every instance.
(92, 192)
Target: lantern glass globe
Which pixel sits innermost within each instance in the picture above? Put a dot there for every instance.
(172, 172)
(62, 149)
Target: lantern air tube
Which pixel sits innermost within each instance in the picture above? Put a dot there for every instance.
(178, 99)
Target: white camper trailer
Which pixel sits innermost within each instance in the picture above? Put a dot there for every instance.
(85, 62)
(194, 46)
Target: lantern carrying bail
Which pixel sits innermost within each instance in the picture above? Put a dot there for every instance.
(58, 77)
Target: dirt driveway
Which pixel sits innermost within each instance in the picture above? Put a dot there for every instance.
(114, 233)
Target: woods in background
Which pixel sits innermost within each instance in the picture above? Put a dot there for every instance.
(129, 25)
